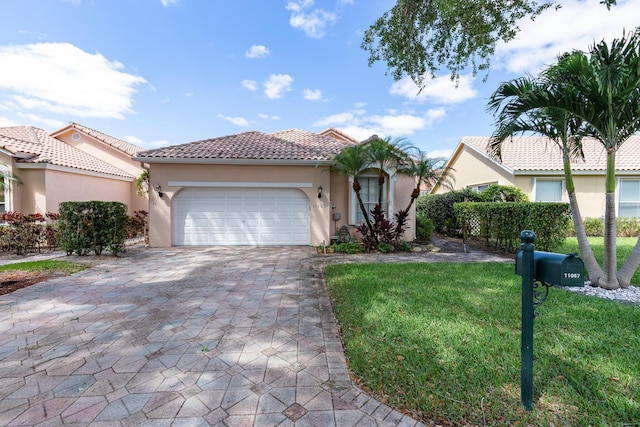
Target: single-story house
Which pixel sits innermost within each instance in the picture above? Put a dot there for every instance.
(255, 188)
(75, 163)
(534, 164)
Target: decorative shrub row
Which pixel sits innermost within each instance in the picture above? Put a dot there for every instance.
(93, 226)
(27, 233)
(501, 223)
(439, 209)
(625, 227)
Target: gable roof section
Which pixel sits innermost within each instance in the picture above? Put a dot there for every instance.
(335, 133)
(118, 144)
(287, 146)
(30, 145)
(535, 153)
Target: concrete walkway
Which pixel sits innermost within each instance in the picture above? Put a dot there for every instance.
(184, 337)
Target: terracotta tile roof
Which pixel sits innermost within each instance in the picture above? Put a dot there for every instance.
(335, 133)
(118, 144)
(33, 145)
(534, 153)
(294, 145)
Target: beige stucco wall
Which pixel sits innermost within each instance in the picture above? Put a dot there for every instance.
(471, 168)
(43, 189)
(160, 215)
(336, 194)
(589, 191)
(102, 151)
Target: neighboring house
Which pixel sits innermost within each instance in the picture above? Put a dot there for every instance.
(534, 164)
(254, 188)
(74, 163)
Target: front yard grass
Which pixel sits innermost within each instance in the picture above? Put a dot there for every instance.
(442, 341)
(624, 246)
(44, 267)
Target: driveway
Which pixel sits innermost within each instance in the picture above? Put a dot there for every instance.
(182, 337)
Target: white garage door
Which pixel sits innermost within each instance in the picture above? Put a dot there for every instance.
(241, 216)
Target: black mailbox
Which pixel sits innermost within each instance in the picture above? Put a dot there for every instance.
(555, 269)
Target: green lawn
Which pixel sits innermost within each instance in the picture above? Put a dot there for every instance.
(442, 341)
(624, 246)
(50, 266)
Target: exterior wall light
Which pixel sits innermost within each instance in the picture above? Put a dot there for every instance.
(159, 190)
(320, 192)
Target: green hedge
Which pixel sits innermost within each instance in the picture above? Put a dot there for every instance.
(625, 227)
(93, 226)
(439, 209)
(501, 223)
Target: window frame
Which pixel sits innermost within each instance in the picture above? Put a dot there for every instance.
(619, 182)
(388, 193)
(557, 180)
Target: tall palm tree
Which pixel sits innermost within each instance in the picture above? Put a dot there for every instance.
(559, 126)
(604, 91)
(385, 154)
(351, 161)
(426, 170)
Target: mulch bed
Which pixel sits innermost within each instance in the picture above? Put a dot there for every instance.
(13, 280)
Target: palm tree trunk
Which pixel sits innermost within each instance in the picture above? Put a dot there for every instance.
(586, 253)
(609, 280)
(414, 196)
(365, 214)
(630, 266)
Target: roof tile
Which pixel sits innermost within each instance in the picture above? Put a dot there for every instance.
(286, 145)
(33, 145)
(535, 153)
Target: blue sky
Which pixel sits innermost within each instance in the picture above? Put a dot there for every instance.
(165, 72)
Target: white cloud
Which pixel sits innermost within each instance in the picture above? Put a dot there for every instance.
(440, 90)
(167, 3)
(257, 51)
(313, 23)
(394, 124)
(31, 118)
(251, 85)
(313, 94)
(440, 154)
(238, 121)
(63, 79)
(575, 26)
(276, 85)
(268, 117)
(4, 122)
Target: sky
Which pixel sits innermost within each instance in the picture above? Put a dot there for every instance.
(167, 72)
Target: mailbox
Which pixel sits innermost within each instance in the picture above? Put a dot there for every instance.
(555, 269)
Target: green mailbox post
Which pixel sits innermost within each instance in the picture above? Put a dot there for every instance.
(539, 270)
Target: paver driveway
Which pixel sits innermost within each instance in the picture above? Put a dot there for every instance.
(213, 336)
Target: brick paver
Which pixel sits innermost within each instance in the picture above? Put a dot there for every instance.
(182, 336)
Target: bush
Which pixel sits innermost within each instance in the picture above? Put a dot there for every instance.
(625, 227)
(26, 233)
(503, 193)
(384, 231)
(352, 247)
(93, 226)
(439, 209)
(424, 228)
(501, 223)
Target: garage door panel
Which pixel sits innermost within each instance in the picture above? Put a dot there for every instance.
(238, 216)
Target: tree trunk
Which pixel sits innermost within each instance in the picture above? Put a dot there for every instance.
(609, 280)
(380, 186)
(357, 188)
(590, 263)
(586, 253)
(414, 195)
(630, 266)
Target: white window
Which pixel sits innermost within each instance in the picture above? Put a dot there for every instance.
(629, 198)
(479, 188)
(548, 190)
(4, 196)
(369, 195)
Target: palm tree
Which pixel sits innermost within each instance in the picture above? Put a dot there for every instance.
(425, 170)
(604, 91)
(559, 126)
(351, 162)
(385, 154)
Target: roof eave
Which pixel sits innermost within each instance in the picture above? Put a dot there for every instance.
(248, 162)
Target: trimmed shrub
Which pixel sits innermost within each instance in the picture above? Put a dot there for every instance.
(503, 193)
(93, 226)
(424, 228)
(501, 223)
(439, 209)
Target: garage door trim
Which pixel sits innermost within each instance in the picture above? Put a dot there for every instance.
(241, 184)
